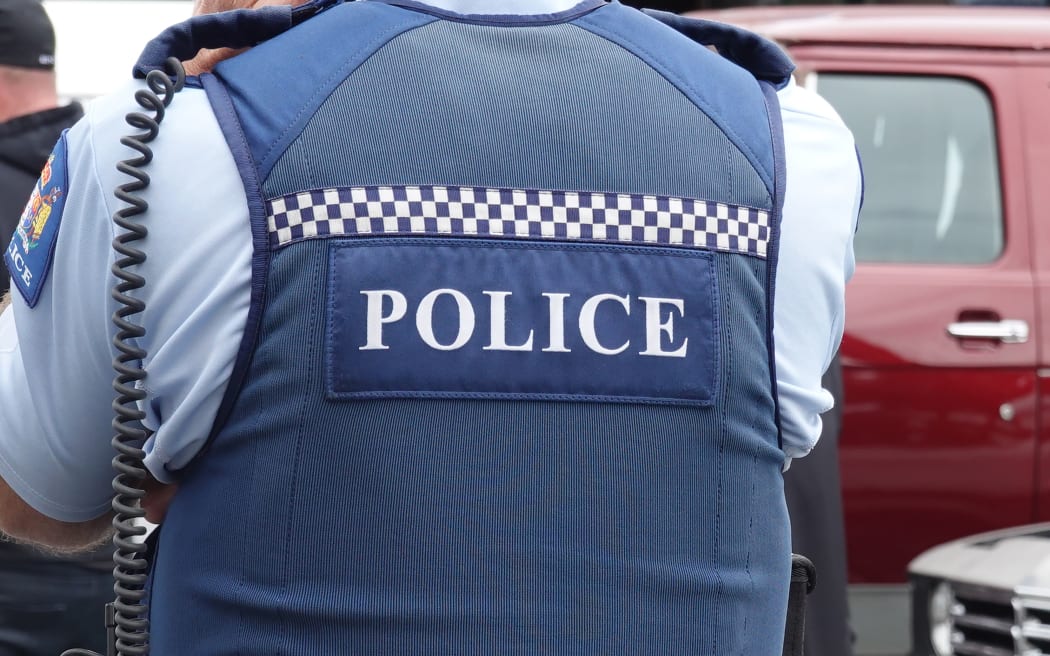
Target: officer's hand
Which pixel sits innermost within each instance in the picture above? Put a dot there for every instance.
(207, 59)
(158, 496)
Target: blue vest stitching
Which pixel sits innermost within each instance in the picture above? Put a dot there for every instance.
(374, 45)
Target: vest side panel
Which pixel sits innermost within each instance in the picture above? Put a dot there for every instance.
(223, 107)
(776, 130)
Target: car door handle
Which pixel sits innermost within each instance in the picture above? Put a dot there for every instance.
(1007, 331)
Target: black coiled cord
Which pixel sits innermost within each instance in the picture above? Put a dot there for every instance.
(127, 618)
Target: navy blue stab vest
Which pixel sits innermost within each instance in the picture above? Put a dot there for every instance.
(507, 383)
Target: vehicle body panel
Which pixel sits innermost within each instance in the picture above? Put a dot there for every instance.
(926, 27)
(924, 445)
(994, 591)
(927, 455)
(1034, 83)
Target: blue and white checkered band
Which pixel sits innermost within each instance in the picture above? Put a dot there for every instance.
(448, 211)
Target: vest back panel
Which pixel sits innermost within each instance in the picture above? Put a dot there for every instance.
(510, 389)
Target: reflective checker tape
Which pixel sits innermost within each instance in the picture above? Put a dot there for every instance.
(517, 213)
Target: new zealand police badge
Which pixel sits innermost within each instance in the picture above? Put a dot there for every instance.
(29, 255)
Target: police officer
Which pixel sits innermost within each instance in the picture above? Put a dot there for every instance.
(459, 327)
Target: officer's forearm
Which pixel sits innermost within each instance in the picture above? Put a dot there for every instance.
(23, 523)
(20, 521)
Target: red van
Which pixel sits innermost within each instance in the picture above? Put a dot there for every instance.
(948, 317)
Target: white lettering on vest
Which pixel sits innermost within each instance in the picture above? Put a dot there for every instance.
(654, 328)
(587, 329)
(498, 325)
(20, 264)
(557, 323)
(425, 319)
(374, 317)
(660, 316)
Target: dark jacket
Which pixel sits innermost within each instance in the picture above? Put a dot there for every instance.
(813, 489)
(25, 143)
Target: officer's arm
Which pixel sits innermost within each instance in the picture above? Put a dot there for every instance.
(56, 365)
(56, 406)
(20, 521)
(815, 260)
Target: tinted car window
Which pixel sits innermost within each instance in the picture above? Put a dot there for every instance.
(931, 171)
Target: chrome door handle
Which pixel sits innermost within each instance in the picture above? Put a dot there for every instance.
(1007, 331)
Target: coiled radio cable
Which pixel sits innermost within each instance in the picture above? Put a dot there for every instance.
(127, 618)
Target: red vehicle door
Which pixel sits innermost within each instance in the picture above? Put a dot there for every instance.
(940, 354)
(1034, 84)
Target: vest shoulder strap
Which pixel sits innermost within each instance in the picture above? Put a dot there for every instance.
(758, 55)
(239, 28)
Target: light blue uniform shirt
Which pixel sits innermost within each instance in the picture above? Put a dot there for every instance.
(55, 359)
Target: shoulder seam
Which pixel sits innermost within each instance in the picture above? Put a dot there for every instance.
(377, 43)
(678, 84)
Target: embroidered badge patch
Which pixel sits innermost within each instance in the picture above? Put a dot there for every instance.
(32, 248)
(490, 319)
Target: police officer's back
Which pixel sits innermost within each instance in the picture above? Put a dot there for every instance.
(488, 300)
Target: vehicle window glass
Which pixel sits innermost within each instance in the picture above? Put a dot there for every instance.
(931, 171)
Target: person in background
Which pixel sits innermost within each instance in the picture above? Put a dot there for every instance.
(31, 119)
(47, 603)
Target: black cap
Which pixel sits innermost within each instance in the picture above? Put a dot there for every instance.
(27, 39)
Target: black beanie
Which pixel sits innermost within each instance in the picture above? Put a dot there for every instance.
(27, 39)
